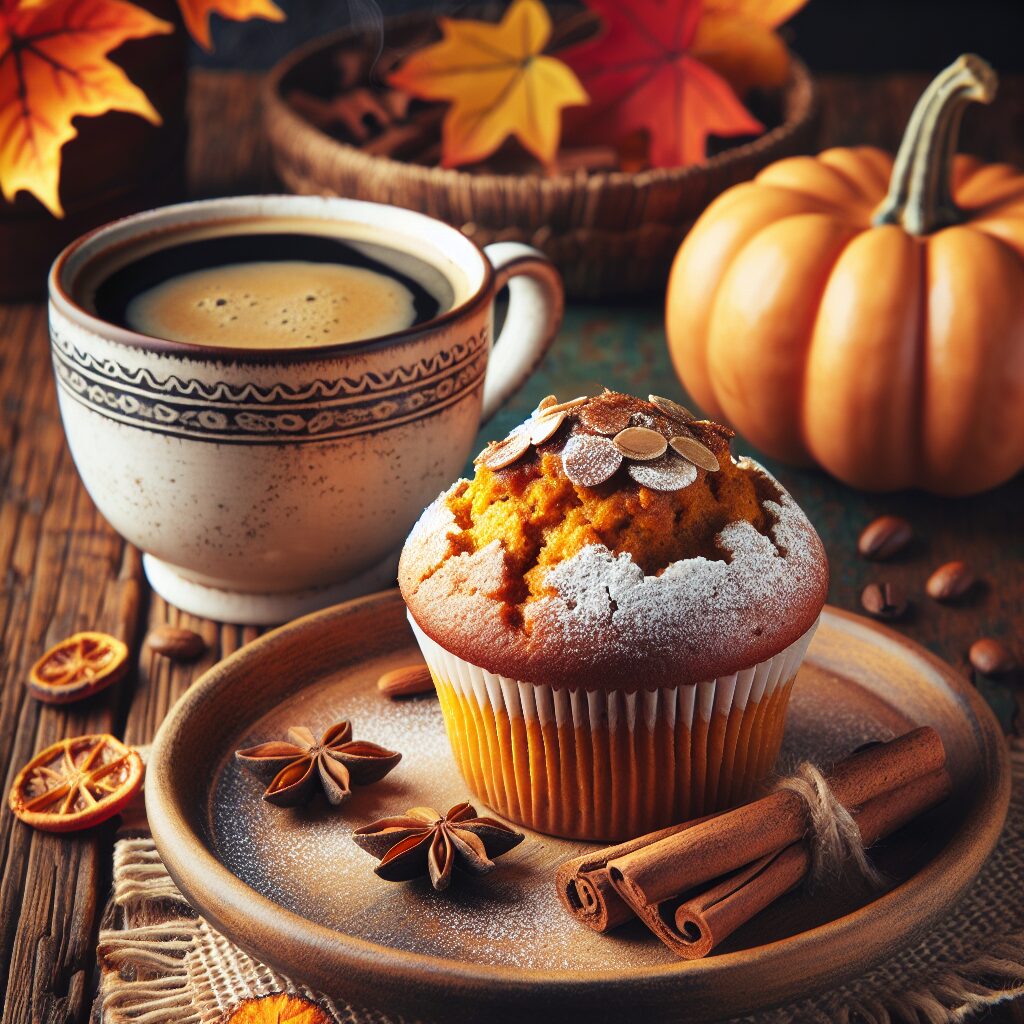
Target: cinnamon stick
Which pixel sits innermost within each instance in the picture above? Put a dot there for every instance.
(652, 874)
(587, 892)
(694, 927)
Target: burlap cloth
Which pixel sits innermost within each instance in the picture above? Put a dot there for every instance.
(160, 962)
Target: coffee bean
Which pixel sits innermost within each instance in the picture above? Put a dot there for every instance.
(950, 581)
(884, 537)
(175, 643)
(884, 601)
(991, 657)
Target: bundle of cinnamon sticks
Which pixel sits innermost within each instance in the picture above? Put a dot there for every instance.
(695, 883)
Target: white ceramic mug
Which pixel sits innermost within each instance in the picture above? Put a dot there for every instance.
(262, 484)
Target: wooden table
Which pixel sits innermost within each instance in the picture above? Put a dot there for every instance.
(64, 568)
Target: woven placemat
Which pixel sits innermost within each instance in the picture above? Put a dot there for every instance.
(160, 962)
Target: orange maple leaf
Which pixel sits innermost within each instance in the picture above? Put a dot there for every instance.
(738, 39)
(499, 82)
(197, 15)
(53, 68)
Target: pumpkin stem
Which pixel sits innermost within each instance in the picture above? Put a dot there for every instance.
(920, 197)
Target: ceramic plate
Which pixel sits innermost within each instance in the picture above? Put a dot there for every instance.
(291, 888)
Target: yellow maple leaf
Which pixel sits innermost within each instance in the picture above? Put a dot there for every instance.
(197, 15)
(499, 83)
(737, 38)
(53, 68)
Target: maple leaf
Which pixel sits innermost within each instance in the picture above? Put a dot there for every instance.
(641, 74)
(737, 38)
(499, 83)
(54, 67)
(197, 15)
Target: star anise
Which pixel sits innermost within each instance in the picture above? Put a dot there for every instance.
(335, 761)
(422, 842)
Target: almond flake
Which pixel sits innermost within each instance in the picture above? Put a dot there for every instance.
(668, 473)
(699, 454)
(545, 403)
(605, 417)
(671, 409)
(553, 410)
(499, 454)
(640, 443)
(546, 427)
(590, 460)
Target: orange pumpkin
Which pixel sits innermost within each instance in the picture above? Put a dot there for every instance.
(864, 313)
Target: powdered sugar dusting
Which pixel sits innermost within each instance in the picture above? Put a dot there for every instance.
(695, 602)
(603, 614)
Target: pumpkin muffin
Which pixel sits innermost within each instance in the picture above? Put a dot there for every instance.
(613, 610)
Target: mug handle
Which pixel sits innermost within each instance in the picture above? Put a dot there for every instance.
(536, 302)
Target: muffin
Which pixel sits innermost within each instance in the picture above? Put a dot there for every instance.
(613, 611)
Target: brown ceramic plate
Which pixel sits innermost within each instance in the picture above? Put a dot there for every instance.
(294, 890)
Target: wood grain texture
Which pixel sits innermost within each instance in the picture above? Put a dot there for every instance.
(62, 568)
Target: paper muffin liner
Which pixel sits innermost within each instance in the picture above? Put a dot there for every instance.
(608, 764)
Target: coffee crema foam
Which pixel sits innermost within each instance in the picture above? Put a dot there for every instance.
(274, 304)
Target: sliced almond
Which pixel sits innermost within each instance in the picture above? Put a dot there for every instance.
(640, 443)
(499, 454)
(590, 460)
(606, 418)
(545, 403)
(408, 681)
(546, 428)
(699, 454)
(552, 410)
(671, 409)
(669, 473)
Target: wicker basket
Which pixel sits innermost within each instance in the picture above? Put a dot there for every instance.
(611, 233)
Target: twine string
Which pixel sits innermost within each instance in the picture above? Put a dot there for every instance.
(835, 839)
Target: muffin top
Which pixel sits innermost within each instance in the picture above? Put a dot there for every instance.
(613, 542)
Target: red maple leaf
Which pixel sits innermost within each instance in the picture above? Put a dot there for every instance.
(641, 74)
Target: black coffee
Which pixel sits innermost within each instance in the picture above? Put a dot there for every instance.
(272, 289)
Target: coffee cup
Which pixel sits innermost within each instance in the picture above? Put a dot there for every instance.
(264, 482)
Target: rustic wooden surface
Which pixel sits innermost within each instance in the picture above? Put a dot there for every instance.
(65, 569)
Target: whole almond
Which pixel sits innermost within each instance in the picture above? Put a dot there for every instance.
(950, 581)
(991, 657)
(884, 537)
(175, 643)
(884, 601)
(408, 681)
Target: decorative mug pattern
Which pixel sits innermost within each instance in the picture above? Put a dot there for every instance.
(318, 410)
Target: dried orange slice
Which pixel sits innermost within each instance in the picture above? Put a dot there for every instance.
(76, 783)
(77, 668)
(280, 1007)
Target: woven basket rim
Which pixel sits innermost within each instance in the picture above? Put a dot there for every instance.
(318, 147)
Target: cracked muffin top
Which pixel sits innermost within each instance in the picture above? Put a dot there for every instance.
(611, 542)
